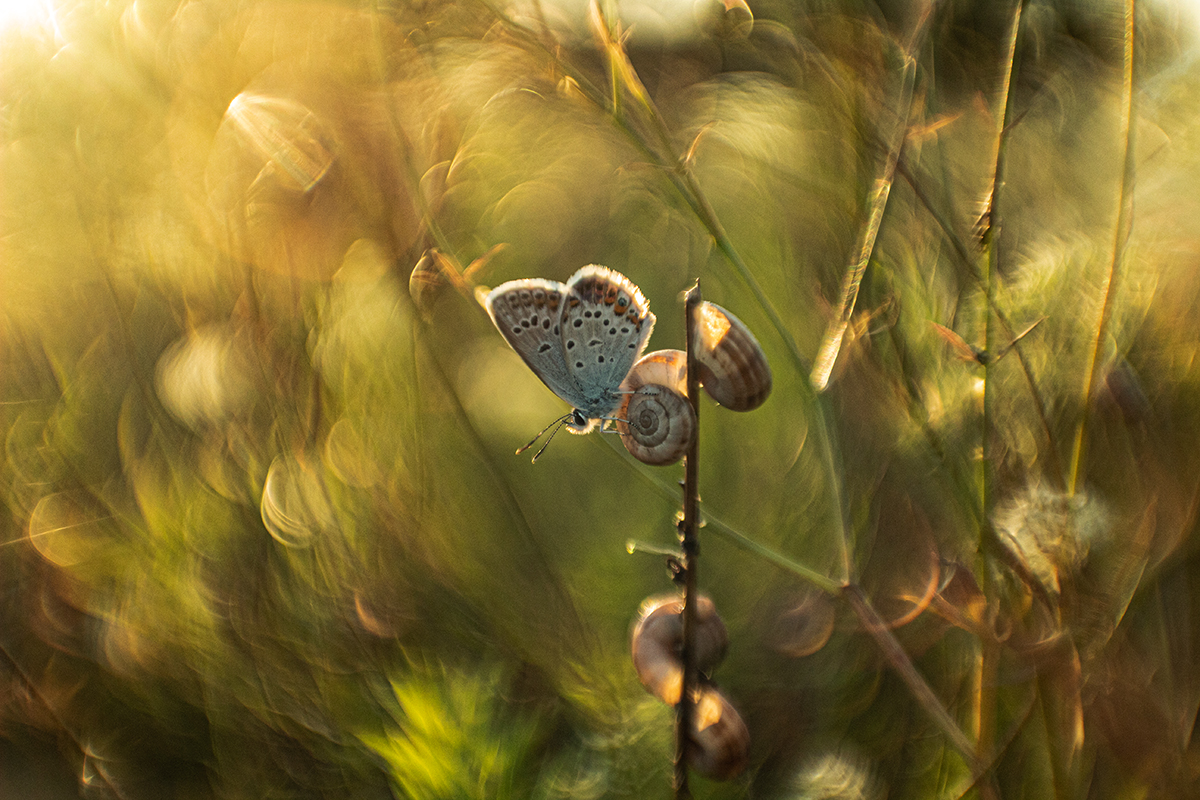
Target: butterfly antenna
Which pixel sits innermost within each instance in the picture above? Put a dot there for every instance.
(549, 439)
(542, 449)
(559, 422)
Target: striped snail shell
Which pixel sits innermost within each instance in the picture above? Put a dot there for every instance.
(663, 367)
(658, 637)
(719, 742)
(656, 424)
(732, 366)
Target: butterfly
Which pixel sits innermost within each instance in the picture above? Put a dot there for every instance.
(580, 338)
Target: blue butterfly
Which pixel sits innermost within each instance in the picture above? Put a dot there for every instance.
(580, 338)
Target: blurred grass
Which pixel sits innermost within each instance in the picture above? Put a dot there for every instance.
(264, 534)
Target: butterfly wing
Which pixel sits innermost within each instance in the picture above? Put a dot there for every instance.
(606, 323)
(528, 315)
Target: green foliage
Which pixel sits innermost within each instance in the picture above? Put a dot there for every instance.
(451, 740)
(264, 534)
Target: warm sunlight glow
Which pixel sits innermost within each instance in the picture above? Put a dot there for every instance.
(20, 13)
(713, 326)
(1191, 10)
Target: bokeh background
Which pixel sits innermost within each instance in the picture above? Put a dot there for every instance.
(264, 533)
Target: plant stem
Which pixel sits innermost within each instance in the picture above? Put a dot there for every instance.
(688, 530)
(1120, 240)
(730, 534)
(832, 343)
(960, 250)
(875, 626)
(991, 261)
(684, 181)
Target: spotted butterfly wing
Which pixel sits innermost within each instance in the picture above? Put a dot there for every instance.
(606, 323)
(527, 314)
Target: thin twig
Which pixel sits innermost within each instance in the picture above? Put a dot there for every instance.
(731, 534)
(877, 628)
(831, 345)
(991, 221)
(968, 262)
(688, 530)
(683, 179)
(990, 240)
(1120, 240)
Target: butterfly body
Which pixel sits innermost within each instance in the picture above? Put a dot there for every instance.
(580, 338)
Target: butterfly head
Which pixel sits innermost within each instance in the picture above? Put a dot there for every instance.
(578, 422)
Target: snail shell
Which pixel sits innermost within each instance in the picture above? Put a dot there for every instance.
(720, 741)
(656, 424)
(425, 282)
(663, 367)
(658, 637)
(732, 366)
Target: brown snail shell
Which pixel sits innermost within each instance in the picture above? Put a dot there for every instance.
(733, 368)
(658, 637)
(663, 367)
(656, 424)
(425, 282)
(719, 742)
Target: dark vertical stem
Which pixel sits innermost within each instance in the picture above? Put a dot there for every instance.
(985, 722)
(691, 555)
(991, 262)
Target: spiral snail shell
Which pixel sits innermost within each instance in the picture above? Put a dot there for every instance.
(719, 740)
(656, 424)
(658, 637)
(733, 368)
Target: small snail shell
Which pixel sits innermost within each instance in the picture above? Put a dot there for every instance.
(658, 637)
(732, 366)
(425, 283)
(720, 741)
(663, 367)
(656, 424)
